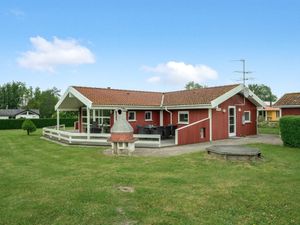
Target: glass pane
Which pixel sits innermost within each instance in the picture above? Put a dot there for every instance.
(84, 112)
(247, 116)
(231, 120)
(183, 117)
(106, 121)
(231, 129)
(131, 116)
(231, 111)
(106, 113)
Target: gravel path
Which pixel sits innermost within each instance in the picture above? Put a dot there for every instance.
(182, 149)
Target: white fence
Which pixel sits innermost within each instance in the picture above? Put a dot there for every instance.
(72, 137)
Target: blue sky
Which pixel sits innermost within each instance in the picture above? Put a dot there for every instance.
(149, 45)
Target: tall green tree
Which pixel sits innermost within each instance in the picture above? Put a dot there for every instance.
(45, 101)
(193, 85)
(12, 95)
(264, 92)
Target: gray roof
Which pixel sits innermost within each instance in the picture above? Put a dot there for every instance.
(14, 112)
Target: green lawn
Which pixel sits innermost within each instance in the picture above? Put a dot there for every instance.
(45, 183)
(268, 130)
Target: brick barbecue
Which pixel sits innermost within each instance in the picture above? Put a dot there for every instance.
(121, 138)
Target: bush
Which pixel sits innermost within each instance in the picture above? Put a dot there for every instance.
(29, 126)
(39, 123)
(290, 130)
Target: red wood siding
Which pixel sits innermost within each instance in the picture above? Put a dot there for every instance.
(220, 118)
(140, 119)
(290, 111)
(191, 134)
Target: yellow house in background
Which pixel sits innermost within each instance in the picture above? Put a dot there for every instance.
(270, 114)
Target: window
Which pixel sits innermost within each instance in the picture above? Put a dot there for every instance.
(247, 117)
(148, 116)
(277, 114)
(98, 117)
(131, 116)
(202, 132)
(183, 117)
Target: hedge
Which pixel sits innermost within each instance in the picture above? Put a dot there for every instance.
(39, 123)
(290, 130)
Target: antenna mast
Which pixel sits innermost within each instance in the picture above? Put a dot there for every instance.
(244, 72)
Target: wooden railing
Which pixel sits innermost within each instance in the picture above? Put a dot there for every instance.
(143, 140)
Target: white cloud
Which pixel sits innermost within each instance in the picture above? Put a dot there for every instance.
(180, 72)
(49, 54)
(154, 79)
(17, 12)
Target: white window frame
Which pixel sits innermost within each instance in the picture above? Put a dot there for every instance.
(150, 119)
(134, 112)
(188, 116)
(247, 121)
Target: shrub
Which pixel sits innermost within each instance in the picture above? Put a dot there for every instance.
(290, 130)
(39, 123)
(29, 126)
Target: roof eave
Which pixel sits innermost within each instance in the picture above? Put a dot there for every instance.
(77, 94)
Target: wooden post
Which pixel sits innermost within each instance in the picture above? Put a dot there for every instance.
(210, 124)
(57, 119)
(161, 118)
(88, 122)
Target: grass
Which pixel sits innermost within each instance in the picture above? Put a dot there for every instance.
(45, 183)
(268, 130)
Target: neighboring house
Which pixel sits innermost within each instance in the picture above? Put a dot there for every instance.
(198, 115)
(289, 104)
(269, 113)
(19, 113)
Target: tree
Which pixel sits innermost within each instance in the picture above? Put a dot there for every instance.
(12, 95)
(264, 92)
(45, 101)
(29, 126)
(193, 85)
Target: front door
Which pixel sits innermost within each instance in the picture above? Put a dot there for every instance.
(231, 121)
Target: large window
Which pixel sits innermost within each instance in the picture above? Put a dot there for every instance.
(148, 116)
(98, 117)
(183, 117)
(247, 117)
(131, 116)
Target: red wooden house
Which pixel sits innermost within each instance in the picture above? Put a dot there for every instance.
(289, 104)
(198, 115)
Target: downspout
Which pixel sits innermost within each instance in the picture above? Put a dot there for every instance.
(210, 124)
(171, 115)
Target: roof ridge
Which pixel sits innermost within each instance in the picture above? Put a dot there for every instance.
(158, 92)
(290, 93)
(117, 89)
(205, 88)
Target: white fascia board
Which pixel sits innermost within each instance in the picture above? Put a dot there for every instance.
(179, 107)
(128, 107)
(172, 107)
(76, 94)
(226, 96)
(288, 106)
(234, 91)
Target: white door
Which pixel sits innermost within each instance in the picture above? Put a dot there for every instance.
(231, 121)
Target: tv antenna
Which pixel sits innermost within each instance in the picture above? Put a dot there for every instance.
(244, 72)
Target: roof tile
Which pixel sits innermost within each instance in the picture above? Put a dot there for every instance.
(289, 99)
(107, 96)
